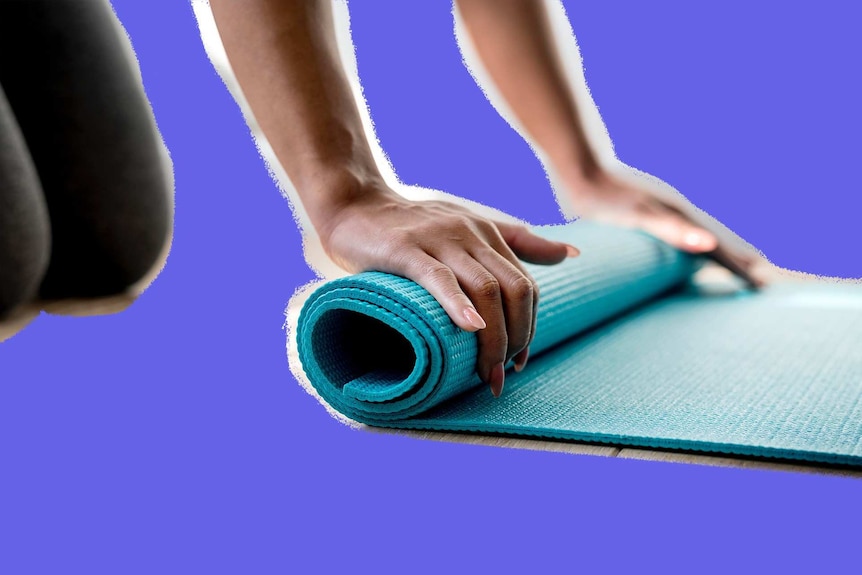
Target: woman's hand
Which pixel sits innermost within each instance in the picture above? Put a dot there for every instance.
(285, 55)
(607, 198)
(517, 48)
(468, 263)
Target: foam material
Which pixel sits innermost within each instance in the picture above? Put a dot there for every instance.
(620, 356)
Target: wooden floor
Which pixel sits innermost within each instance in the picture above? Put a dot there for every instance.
(573, 448)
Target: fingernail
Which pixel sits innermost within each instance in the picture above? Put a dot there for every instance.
(474, 319)
(521, 360)
(696, 240)
(572, 251)
(496, 380)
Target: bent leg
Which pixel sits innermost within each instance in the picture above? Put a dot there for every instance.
(75, 89)
(24, 228)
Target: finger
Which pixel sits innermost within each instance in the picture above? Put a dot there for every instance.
(675, 229)
(441, 282)
(740, 265)
(737, 263)
(483, 289)
(517, 295)
(522, 356)
(495, 239)
(532, 248)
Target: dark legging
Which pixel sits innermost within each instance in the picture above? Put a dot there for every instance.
(86, 191)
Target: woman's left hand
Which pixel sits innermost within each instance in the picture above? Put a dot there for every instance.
(605, 197)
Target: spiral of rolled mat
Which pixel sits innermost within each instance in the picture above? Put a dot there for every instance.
(379, 348)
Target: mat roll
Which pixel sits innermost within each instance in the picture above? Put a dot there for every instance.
(619, 357)
(379, 348)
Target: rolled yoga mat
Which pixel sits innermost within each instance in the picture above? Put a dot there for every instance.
(624, 353)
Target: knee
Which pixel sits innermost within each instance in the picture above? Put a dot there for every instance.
(120, 241)
(24, 254)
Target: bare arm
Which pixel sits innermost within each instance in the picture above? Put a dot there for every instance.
(514, 40)
(285, 57)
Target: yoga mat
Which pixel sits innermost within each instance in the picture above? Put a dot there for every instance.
(626, 352)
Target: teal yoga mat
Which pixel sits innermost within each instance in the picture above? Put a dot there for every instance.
(626, 352)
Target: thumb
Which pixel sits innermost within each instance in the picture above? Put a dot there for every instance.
(534, 249)
(679, 232)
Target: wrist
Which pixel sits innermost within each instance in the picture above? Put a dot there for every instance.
(578, 174)
(577, 164)
(332, 194)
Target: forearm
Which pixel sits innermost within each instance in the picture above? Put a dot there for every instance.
(514, 41)
(285, 57)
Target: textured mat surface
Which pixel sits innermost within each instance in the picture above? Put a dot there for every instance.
(619, 357)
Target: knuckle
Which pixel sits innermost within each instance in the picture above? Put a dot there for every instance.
(519, 231)
(486, 286)
(520, 288)
(464, 221)
(486, 226)
(438, 273)
(460, 227)
(445, 281)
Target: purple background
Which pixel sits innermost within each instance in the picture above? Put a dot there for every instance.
(172, 438)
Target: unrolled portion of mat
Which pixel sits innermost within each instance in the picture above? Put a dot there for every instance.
(774, 374)
(618, 358)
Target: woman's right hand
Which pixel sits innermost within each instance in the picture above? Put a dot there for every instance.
(470, 264)
(285, 56)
